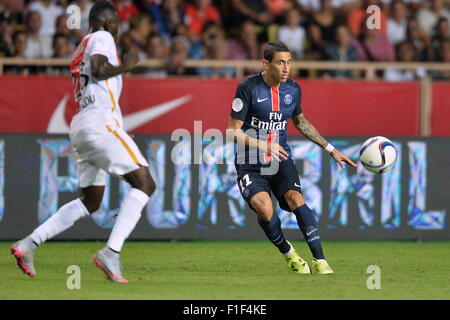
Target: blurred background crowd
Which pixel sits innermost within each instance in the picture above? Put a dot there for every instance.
(176, 30)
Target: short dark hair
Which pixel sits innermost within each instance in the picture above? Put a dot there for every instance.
(98, 10)
(56, 36)
(272, 47)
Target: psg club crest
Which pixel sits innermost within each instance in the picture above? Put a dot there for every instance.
(287, 99)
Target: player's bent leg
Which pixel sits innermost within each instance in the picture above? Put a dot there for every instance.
(108, 259)
(63, 219)
(142, 180)
(92, 197)
(271, 224)
(308, 226)
(294, 199)
(262, 204)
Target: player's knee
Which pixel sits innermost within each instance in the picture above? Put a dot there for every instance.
(91, 205)
(147, 185)
(294, 199)
(150, 186)
(262, 207)
(142, 180)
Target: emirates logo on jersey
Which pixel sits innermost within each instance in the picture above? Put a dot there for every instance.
(268, 125)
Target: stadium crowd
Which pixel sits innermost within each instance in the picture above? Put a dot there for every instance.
(177, 30)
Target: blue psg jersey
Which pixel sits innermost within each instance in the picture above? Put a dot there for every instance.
(265, 111)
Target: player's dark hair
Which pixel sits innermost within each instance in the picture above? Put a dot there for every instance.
(98, 10)
(272, 47)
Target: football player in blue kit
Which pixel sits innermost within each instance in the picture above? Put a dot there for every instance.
(258, 123)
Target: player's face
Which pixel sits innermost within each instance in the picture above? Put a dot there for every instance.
(112, 25)
(280, 66)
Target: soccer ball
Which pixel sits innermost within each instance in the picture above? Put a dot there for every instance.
(378, 154)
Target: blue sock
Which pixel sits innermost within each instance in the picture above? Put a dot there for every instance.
(308, 225)
(273, 231)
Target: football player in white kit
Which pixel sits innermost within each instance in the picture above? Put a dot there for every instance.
(102, 146)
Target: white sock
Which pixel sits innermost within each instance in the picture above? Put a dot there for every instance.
(62, 220)
(291, 250)
(129, 214)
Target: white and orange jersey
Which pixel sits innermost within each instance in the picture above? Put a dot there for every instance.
(96, 96)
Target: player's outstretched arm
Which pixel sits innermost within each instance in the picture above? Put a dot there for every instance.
(236, 134)
(310, 132)
(102, 69)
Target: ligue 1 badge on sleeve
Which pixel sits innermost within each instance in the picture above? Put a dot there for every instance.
(237, 105)
(287, 99)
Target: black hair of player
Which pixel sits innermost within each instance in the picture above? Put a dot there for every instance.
(272, 47)
(98, 11)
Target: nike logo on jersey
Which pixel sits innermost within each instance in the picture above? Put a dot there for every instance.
(58, 123)
(297, 185)
(308, 233)
(261, 100)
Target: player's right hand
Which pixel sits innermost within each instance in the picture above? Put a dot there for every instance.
(274, 150)
(130, 59)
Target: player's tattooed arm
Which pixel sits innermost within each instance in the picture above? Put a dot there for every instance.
(308, 130)
(102, 69)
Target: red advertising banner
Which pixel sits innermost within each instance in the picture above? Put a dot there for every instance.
(440, 115)
(45, 104)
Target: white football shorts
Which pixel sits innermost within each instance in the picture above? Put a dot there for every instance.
(102, 148)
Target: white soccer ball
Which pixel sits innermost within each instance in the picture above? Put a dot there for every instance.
(378, 154)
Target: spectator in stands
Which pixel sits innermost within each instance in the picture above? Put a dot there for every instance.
(137, 37)
(168, 17)
(420, 41)
(6, 39)
(442, 34)
(292, 33)
(126, 11)
(244, 46)
(278, 8)
(357, 17)
(341, 51)
(61, 46)
(444, 56)
(397, 22)
(315, 44)
(178, 54)
(427, 17)
(198, 13)
(310, 6)
(61, 50)
(212, 31)
(325, 21)
(74, 35)
(254, 10)
(217, 50)
(404, 53)
(49, 12)
(374, 46)
(344, 6)
(61, 25)
(20, 46)
(11, 11)
(155, 50)
(20, 40)
(38, 45)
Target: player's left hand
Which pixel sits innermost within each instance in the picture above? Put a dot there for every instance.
(342, 159)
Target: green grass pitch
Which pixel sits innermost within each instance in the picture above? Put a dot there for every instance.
(232, 270)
